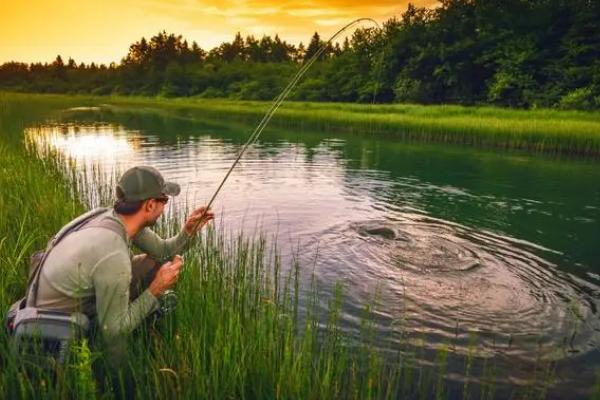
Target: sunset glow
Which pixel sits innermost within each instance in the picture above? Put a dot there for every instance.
(102, 30)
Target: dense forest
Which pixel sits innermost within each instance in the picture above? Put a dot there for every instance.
(517, 53)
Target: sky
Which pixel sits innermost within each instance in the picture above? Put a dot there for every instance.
(102, 30)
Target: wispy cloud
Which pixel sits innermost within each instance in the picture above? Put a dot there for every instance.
(101, 30)
(294, 20)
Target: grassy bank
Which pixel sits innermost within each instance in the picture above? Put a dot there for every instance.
(239, 331)
(236, 333)
(543, 131)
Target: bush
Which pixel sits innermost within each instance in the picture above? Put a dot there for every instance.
(511, 89)
(311, 89)
(212, 92)
(585, 98)
(102, 90)
(407, 90)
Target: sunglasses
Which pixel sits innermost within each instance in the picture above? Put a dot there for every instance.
(163, 200)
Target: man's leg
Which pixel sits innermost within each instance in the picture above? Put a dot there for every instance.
(113, 371)
(143, 271)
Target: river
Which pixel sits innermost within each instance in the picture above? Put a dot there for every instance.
(450, 243)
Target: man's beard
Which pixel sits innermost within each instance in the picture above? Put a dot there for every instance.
(151, 223)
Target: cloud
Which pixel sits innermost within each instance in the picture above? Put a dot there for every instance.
(102, 30)
(331, 21)
(293, 20)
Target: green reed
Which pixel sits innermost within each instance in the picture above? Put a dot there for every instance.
(237, 332)
(541, 131)
(548, 131)
(240, 329)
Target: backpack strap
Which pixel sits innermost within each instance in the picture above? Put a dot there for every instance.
(72, 226)
(107, 223)
(75, 225)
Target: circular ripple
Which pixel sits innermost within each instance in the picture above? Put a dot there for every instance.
(445, 278)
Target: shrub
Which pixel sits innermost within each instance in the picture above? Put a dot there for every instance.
(585, 98)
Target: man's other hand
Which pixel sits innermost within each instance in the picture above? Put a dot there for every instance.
(166, 276)
(197, 220)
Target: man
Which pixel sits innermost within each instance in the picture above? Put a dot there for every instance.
(92, 269)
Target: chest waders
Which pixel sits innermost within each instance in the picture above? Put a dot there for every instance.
(43, 337)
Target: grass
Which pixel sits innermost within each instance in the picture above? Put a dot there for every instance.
(236, 332)
(543, 131)
(548, 131)
(239, 330)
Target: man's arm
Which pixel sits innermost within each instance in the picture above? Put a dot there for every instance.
(164, 249)
(160, 249)
(116, 315)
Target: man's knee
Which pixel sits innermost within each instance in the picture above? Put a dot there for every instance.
(143, 271)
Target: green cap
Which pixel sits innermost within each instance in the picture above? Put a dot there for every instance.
(142, 183)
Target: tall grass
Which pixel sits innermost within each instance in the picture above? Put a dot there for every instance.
(239, 330)
(544, 131)
(549, 131)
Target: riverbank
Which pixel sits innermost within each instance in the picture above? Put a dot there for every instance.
(236, 332)
(554, 132)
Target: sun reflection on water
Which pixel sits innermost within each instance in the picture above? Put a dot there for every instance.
(87, 144)
(378, 215)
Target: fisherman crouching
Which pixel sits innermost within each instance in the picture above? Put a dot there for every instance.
(87, 279)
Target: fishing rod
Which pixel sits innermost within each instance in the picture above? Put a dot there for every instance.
(275, 106)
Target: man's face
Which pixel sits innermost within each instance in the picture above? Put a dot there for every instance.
(154, 209)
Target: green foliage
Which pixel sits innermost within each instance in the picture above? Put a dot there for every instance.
(511, 53)
(311, 89)
(513, 84)
(585, 98)
(81, 370)
(510, 89)
(407, 90)
(541, 130)
(239, 330)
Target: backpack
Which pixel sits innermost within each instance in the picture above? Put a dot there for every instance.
(52, 331)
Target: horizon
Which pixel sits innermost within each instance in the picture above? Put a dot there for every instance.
(81, 32)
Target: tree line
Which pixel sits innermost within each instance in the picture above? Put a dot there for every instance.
(517, 53)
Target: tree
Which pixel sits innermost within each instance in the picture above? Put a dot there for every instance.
(58, 68)
(253, 50)
(198, 54)
(232, 51)
(517, 53)
(281, 51)
(300, 53)
(265, 48)
(313, 47)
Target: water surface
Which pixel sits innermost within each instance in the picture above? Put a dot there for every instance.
(453, 241)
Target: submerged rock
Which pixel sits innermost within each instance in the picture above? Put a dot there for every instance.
(384, 232)
(466, 266)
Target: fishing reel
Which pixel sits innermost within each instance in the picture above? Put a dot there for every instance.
(167, 303)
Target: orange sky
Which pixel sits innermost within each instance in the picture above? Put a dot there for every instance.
(102, 30)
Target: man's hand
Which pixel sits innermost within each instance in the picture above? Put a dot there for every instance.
(197, 220)
(166, 276)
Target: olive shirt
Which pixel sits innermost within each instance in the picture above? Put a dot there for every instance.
(90, 271)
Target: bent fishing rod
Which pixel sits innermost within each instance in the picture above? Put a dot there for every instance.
(275, 106)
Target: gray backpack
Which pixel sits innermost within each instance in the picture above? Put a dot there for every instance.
(42, 335)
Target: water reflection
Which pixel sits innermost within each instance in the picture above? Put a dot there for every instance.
(89, 144)
(453, 242)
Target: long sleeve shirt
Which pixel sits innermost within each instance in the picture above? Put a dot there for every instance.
(90, 271)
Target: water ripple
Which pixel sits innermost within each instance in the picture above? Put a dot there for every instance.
(448, 278)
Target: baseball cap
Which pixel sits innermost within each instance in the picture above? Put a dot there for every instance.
(143, 182)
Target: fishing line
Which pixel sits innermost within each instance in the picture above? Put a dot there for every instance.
(277, 103)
